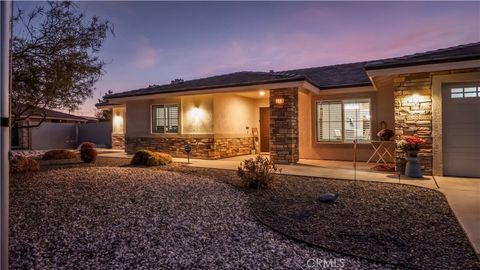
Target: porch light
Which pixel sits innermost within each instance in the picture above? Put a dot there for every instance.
(262, 93)
(196, 114)
(118, 123)
(415, 98)
(279, 101)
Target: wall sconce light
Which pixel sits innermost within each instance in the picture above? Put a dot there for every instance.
(279, 101)
(197, 115)
(261, 93)
(118, 123)
(415, 98)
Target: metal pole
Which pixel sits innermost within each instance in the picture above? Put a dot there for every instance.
(5, 32)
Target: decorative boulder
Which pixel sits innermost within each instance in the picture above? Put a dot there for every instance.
(328, 197)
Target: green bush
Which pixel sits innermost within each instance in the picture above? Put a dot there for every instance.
(88, 155)
(150, 158)
(257, 172)
(59, 154)
(23, 164)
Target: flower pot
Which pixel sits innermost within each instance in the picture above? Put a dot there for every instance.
(412, 153)
(413, 168)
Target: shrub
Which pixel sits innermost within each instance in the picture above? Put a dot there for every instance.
(21, 164)
(258, 172)
(150, 158)
(88, 155)
(59, 154)
(86, 145)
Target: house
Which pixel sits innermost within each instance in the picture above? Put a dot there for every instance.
(315, 113)
(58, 130)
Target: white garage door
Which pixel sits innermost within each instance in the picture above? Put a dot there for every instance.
(461, 129)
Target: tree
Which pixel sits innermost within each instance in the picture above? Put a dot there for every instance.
(54, 59)
(103, 115)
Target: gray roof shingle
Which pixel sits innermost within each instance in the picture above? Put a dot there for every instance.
(242, 78)
(335, 76)
(324, 77)
(457, 53)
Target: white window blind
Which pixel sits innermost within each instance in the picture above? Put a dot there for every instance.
(343, 121)
(165, 118)
(329, 121)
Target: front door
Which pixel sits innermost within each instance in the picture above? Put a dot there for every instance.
(264, 129)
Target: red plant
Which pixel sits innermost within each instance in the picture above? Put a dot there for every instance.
(414, 140)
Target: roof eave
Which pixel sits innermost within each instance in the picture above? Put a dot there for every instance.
(221, 88)
(419, 68)
(373, 66)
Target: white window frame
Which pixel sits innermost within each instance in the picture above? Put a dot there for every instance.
(463, 93)
(342, 102)
(152, 106)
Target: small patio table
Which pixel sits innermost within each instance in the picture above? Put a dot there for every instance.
(382, 150)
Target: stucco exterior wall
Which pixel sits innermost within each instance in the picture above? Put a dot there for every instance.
(381, 107)
(197, 114)
(138, 118)
(215, 126)
(234, 116)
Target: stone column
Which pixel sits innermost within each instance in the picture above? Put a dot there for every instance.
(284, 125)
(118, 141)
(414, 118)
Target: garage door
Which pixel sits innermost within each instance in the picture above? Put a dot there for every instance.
(461, 129)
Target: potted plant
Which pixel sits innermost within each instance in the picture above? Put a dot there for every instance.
(411, 146)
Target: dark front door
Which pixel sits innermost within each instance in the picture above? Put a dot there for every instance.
(264, 129)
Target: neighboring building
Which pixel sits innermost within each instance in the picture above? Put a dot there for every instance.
(57, 131)
(315, 113)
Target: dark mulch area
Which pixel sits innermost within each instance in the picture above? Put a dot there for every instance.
(397, 224)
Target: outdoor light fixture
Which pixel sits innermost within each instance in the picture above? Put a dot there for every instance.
(279, 101)
(262, 93)
(118, 123)
(196, 114)
(415, 98)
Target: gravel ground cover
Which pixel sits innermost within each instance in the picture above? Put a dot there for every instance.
(94, 217)
(404, 225)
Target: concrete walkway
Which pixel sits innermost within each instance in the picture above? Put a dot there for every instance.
(463, 194)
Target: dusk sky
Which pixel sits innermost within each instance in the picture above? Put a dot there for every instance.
(156, 42)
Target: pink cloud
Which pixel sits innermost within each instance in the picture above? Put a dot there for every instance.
(145, 55)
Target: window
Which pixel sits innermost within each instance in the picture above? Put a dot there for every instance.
(343, 121)
(465, 92)
(165, 118)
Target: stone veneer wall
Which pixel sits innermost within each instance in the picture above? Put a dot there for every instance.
(202, 147)
(284, 126)
(230, 147)
(416, 119)
(118, 141)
